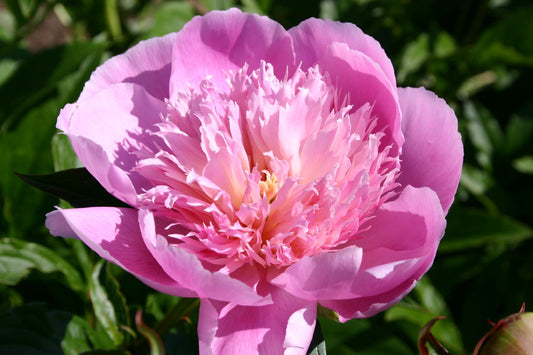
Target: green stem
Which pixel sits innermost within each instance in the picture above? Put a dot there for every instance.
(181, 309)
(113, 19)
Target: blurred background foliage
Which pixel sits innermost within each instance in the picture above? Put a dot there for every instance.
(56, 296)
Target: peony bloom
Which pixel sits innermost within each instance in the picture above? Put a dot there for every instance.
(267, 171)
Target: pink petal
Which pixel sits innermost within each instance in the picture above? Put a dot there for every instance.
(221, 41)
(114, 234)
(115, 180)
(322, 276)
(398, 249)
(432, 155)
(284, 327)
(147, 64)
(365, 307)
(313, 36)
(348, 69)
(107, 128)
(224, 169)
(188, 271)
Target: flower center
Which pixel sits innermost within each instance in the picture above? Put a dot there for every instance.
(266, 171)
(269, 186)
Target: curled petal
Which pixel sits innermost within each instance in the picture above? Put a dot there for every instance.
(348, 69)
(221, 41)
(313, 36)
(187, 270)
(432, 155)
(322, 276)
(398, 249)
(114, 234)
(365, 307)
(147, 64)
(286, 326)
(119, 124)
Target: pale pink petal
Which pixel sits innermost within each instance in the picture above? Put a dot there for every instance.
(224, 169)
(284, 327)
(313, 36)
(221, 41)
(398, 249)
(322, 276)
(115, 180)
(188, 271)
(114, 234)
(119, 121)
(147, 64)
(432, 155)
(348, 70)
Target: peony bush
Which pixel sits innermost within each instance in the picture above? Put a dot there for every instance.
(268, 171)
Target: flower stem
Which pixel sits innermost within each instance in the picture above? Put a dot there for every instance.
(181, 309)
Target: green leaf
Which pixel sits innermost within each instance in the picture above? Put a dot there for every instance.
(414, 56)
(512, 36)
(10, 298)
(251, 6)
(444, 45)
(38, 76)
(82, 254)
(524, 164)
(518, 136)
(113, 19)
(425, 304)
(7, 67)
(26, 149)
(32, 329)
(18, 258)
(475, 180)
(16, 11)
(170, 17)
(318, 344)
(63, 155)
(471, 228)
(476, 83)
(80, 337)
(484, 132)
(209, 5)
(108, 303)
(76, 186)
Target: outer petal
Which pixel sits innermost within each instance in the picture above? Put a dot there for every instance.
(147, 64)
(323, 276)
(188, 271)
(432, 155)
(106, 130)
(114, 234)
(221, 41)
(359, 77)
(365, 307)
(313, 36)
(397, 250)
(284, 327)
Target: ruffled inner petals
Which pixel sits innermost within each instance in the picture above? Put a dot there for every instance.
(270, 171)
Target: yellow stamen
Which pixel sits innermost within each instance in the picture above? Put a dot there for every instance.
(269, 186)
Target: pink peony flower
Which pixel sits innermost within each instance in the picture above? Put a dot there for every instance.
(268, 171)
